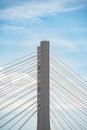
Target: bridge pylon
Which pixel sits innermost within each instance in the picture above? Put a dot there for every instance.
(43, 114)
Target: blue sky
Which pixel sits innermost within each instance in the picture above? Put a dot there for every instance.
(24, 23)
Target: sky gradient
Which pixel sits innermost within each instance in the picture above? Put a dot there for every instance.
(24, 23)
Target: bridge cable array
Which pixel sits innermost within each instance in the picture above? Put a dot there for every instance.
(18, 92)
(68, 96)
(18, 95)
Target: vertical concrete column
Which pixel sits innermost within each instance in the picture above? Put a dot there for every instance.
(43, 120)
(38, 87)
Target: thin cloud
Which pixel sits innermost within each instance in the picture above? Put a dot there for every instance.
(1, 68)
(66, 44)
(35, 9)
